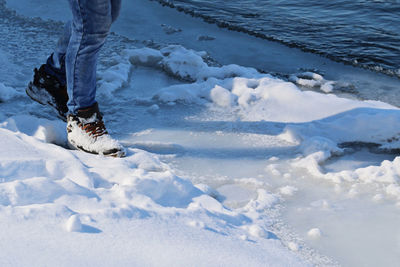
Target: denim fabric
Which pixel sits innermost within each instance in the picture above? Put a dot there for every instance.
(59, 71)
(79, 46)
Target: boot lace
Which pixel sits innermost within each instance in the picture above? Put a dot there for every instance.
(95, 129)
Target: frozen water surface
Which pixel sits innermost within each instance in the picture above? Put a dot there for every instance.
(353, 218)
(356, 158)
(356, 230)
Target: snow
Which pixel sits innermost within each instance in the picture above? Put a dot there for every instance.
(314, 233)
(288, 190)
(42, 180)
(7, 93)
(74, 224)
(293, 246)
(226, 165)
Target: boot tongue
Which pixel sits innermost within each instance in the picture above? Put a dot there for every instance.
(90, 114)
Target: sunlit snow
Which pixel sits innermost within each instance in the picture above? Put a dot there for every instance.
(226, 165)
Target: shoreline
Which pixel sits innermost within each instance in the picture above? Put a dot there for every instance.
(151, 22)
(225, 25)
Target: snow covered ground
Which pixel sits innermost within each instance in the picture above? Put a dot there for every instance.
(226, 165)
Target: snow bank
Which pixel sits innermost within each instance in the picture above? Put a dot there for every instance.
(41, 179)
(42, 129)
(314, 122)
(258, 96)
(361, 125)
(31, 174)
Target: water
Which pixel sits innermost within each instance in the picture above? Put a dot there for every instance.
(365, 33)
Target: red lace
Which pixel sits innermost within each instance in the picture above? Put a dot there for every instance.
(95, 129)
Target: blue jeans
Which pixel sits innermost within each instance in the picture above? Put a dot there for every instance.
(78, 48)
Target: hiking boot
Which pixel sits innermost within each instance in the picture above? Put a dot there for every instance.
(87, 132)
(49, 88)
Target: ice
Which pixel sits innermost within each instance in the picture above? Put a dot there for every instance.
(347, 219)
(234, 195)
(313, 80)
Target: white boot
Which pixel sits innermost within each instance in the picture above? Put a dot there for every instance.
(87, 132)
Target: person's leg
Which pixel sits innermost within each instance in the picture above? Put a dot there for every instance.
(57, 59)
(91, 23)
(90, 26)
(74, 64)
(55, 64)
(49, 85)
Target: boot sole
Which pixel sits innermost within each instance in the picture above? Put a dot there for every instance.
(116, 154)
(43, 98)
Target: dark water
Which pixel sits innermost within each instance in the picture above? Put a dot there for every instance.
(359, 32)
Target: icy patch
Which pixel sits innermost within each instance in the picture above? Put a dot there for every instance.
(234, 195)
(314, 80)
(307, 79)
